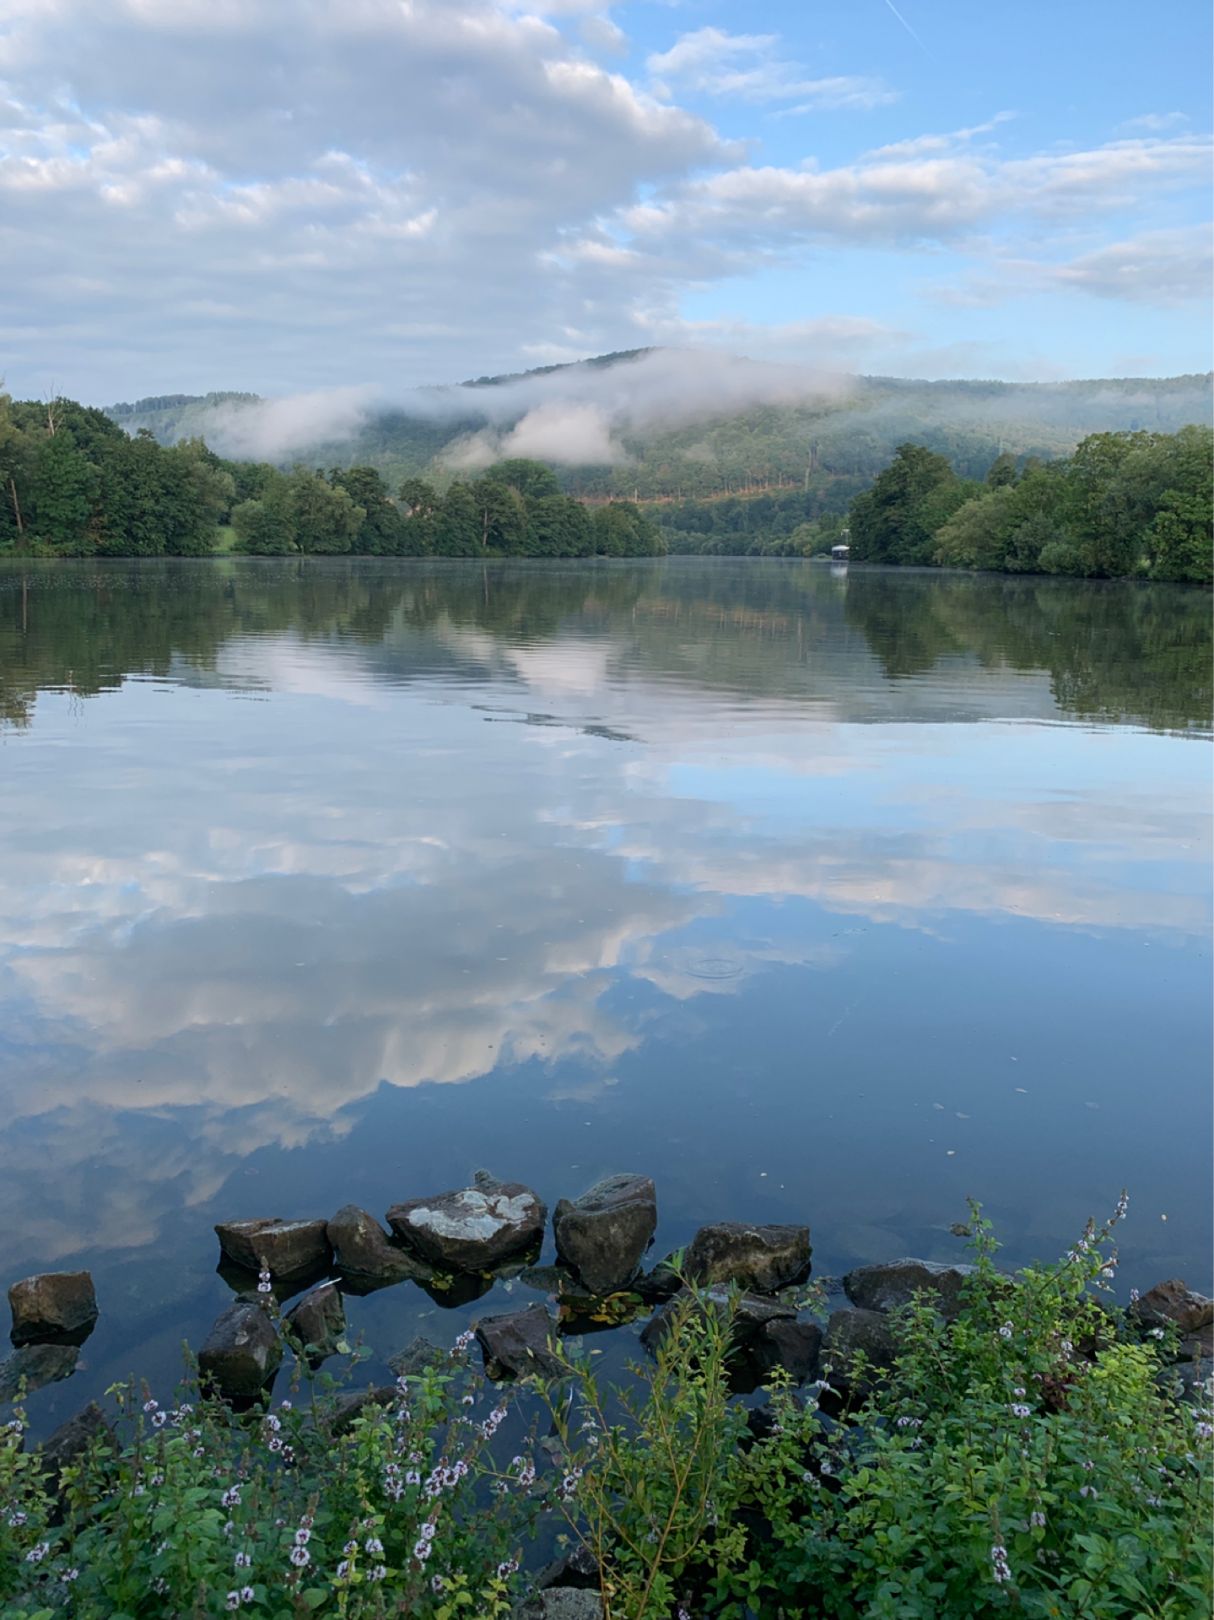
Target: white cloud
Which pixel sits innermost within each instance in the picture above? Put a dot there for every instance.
(749, 67)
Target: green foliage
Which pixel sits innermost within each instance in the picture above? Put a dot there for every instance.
(896, 520)
(282, 1511)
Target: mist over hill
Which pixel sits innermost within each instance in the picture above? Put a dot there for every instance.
(669, 425)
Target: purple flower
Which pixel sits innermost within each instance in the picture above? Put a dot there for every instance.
(1000, 1568)
(300, 1557)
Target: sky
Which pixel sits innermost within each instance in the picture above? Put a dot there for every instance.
(284, 195)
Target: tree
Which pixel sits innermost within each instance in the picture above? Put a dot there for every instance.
(621, 529)
(457, 524)
(323, 519)
(62, 490)
(382, 532)
(532, 479)
(894, 522)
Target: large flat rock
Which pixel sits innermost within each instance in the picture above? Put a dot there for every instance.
(285, 1248)
(472, 1228)
(762, 1258)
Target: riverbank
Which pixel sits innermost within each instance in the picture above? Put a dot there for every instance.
(949, 1441)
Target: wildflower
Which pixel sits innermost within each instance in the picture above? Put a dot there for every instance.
(232, 1601)
(1156, 1333)
(228, 1528)
(467, 1400)
(916, 1423)
(506, 1568)
(274, 1443)
(284, 1406)
(1067, 1347)
(273, 1422)
(427, 1530)
(1135, 1296)
(421, 1550)
(377, 1572)
(300, 1556)
(1088, 1465)
(464, 1340)
(343, 1569)
(1037, 1520)
(231, 1497)
(1020, 1410)
(16, 1518)
(412, 1477)
(302, 1537)
(150, 1406)
(1088, 1490)
(264, 1285)
(1018, 1391)
(156, 1479)
(1204, 1429)
(70, 1575)
(243, 1560)
(437, 1584)
(1123, 1203)
(373, 1545)
(350, 1547)
(1154, 1501)
(159, 1419)
(1000, 1568)
(38, 1552)
(1005, 1332)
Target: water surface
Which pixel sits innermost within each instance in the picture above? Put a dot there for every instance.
(818, 895)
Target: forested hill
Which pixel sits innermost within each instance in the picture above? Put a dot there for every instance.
(829, 448)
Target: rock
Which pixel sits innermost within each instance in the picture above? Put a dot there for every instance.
(1173, 1302)
(286, 1248)
(562, 1603)
(850, 1333)
(890, 1286)
(319, 1319)
(557, 1281)
(349, 1407)
(71, 1443)
(578, 1568)
(751, 1315)
(364, 1252)
(1197, 1346)
(242, 1351)
(34, 1366)
(660, 1283)
(474, 1228)
(763, 1258)
(602, 1235)
(519, 1342)
(793, 1346)
(416, 1357)
(1189, 1381)
(55, 1307)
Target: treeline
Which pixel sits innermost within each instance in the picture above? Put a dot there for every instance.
(73, 483)
(515, 509)
(1123, 505)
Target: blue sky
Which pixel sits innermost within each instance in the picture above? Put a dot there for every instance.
(286, 195)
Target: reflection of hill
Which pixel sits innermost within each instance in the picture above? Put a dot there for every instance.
(868, 645)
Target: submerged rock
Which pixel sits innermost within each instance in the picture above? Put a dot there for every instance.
(285, 1248)
(1173, 1302)
(318, 1320)
(473, 1228)
(893, 1284)
(763, 1258)
(602, 1235)
(242, 1351)
(71, 1443)
(520, 1342)
(54, 1307)
(34, 1366)
(348, 1408)
(365, 1254)
(416, 1357)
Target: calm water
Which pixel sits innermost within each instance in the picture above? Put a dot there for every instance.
(815, 895)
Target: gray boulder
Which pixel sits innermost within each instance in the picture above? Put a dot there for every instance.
(34, 1366)
(602, 1235)
(562, 1603)
(473, 1228)
(54, 1307)
(1173, 1303)
(763, 1258)
(893, 1284)
(348, 1408)
(578, 1567)
(242, 1351)
(751, 1315)
(517, 1343)
(660, 1282)
(794, 1347)
(319, 1320)
(365, 1254)
(850, 1335)
(286, 1248)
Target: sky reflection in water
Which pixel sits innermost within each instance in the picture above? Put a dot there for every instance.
(814, 896)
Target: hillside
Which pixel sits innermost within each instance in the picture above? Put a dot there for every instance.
(699, 448)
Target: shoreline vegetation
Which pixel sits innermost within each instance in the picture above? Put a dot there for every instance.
(955, 1442)
(1124, 505)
